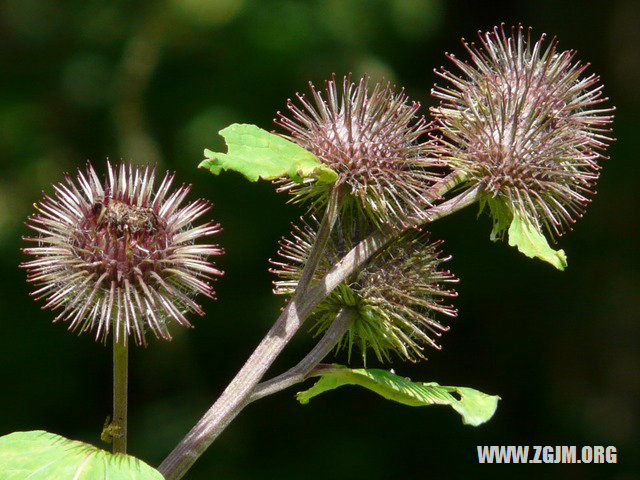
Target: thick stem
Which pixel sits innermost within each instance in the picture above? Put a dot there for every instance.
(234, 398)
(300, 372)
(237, 393)
(120, 400)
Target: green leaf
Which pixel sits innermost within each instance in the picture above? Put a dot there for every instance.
(522, 233)
(474, 406)
(40, 455)
(256, 154)
(532, 243)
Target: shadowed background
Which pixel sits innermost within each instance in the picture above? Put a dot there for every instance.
(152, 82)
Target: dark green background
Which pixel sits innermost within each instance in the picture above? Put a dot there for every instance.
(154, 82)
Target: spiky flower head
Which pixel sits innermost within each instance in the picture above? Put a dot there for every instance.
(118, 257)
(525, 123)
(396, 295)
(373, 139)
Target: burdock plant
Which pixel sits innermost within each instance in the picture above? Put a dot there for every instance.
(375, 142)
(520, 130)
(526, 127)
(395, 297)
(118, 257)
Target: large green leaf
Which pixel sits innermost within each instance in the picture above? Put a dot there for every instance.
(532, 243)
(40, 455)
(474, 406)
(256, 154)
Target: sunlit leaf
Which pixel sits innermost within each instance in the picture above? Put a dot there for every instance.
(532, 243)
(475, 407)
(40, 455)
(258, 154)
(522, 234)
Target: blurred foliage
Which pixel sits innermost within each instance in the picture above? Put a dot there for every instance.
(153, 81)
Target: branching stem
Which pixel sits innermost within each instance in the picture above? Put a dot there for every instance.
(300, 372)
(238, 393)
(235, 396)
